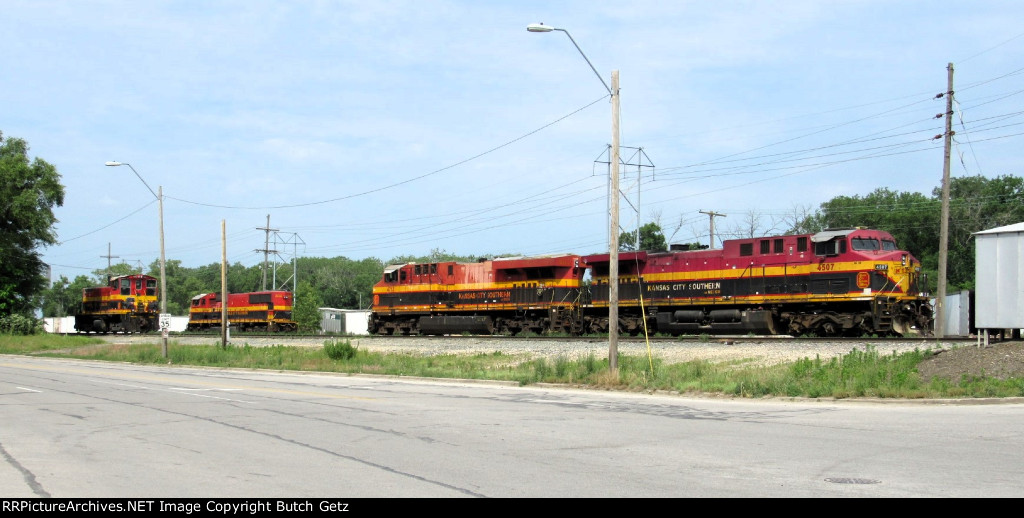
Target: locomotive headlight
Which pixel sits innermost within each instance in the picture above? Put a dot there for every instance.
(903, 259)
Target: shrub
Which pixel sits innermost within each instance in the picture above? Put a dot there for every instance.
(20, 325)
(339, 350)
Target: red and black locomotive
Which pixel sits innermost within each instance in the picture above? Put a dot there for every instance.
(256, 311)
(503, 296)
(848, 282)
(127, 304)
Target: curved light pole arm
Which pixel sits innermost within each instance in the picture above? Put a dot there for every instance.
(540, 27)
(587, 60)
(113, 164)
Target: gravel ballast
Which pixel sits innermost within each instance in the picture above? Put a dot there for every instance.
(746, 350)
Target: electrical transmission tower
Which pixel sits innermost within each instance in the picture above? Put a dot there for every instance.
(266, 250)
(630, 190)
(294, 240)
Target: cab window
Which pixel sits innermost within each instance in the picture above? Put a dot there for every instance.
(864, 243)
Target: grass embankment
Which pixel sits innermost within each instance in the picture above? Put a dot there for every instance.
(859, 373)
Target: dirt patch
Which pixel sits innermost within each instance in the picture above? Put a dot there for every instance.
(1002, 360)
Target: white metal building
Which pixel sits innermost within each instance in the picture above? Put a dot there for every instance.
(999, 279)
(344, 321)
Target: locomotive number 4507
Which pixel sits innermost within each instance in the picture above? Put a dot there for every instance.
(826, 267)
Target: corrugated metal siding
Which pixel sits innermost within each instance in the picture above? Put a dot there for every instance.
(999, 278)
(332, 321)
(957, 312)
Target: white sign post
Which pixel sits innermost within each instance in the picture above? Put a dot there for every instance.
(165, 324)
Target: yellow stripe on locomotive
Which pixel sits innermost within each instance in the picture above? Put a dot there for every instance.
(835, 282)
(504, 295)
(258, 311)
(849, 281)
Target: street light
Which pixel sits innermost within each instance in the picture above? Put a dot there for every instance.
(613, 195)
(163, 277)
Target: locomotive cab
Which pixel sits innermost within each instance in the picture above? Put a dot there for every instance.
(126, 304)
(837, 282)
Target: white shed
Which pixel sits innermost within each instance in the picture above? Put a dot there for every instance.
(344, 321)
(999, 278)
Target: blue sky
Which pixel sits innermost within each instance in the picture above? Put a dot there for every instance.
(390, 128)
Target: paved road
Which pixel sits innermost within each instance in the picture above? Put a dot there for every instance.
(90, 429)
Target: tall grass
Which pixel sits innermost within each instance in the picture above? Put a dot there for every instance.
(26, 344)
(857, 374)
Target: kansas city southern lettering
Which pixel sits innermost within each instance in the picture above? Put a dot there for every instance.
(685, 289)
(486, 295)
(710, 286)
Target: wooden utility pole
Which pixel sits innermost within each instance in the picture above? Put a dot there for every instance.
(109, 257)
(223, 285)
(613, 205)
(711, 215)
(613, 238)
(940, 298)
(165, 317)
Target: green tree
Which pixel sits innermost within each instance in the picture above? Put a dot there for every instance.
(115, 270)
(29, 190)
(243, 279)
(64, 298)
(693, 246)
(341, 282)
(911, 218)
(976, 203)
(438, 256)
(652, 239)
(306, 309)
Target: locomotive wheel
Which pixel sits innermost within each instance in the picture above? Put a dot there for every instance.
(826, 329)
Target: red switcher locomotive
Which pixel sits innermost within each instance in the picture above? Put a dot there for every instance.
(499, 296)
(127, 304)
(848, 282)
(257, 311)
